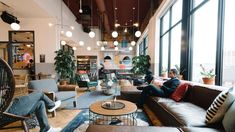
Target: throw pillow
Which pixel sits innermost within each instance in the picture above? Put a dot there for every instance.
(229, 120)
(180, 91)
(220, 105)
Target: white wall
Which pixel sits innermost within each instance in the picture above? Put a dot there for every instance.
(153, 32)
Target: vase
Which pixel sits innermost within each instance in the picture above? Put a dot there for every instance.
(181, 77)
(209, 81)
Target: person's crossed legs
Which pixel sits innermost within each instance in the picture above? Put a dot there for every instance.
(35, 102)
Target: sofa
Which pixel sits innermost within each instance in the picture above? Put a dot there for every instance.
(186, 115)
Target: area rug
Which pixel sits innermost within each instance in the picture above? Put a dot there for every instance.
(88, 98)
(81, 121)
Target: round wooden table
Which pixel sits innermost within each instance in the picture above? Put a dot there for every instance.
(123, 116)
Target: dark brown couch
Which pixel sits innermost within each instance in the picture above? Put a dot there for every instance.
(187, 115)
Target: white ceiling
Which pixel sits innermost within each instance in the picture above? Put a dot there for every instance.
(23, 8)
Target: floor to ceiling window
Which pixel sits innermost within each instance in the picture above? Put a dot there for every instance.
(143, 47)
(204, 21)
(171, 37)
(229, 48)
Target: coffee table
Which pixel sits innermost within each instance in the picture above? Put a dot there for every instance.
(102, 116)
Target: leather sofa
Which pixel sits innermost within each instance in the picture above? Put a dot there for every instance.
(187, 115)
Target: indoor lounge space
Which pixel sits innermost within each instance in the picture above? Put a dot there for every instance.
(117, 65)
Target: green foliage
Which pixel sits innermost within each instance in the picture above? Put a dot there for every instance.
(141, 64)
(164, 70)
(207, 73)
(180, 71)
(64, 64)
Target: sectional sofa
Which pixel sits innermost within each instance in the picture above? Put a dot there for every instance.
(186, 115)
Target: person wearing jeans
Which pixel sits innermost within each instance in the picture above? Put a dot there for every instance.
(160, 90)
(35, 102)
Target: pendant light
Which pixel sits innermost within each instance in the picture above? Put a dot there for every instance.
(138, 33)
(115, 33)
(15, 26)
(80, 10)
(91, 33)
(68, 33)
(133, 41)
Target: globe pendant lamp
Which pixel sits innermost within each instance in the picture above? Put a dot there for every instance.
(114, 34)
(15, 26)
(91, 33)
(115, 43)
(80, 10)
(138, 33)
(132, 43)
(69, 34)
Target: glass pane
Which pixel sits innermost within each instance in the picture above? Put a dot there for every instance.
(3, 51)
(229, 48)
(22, 54)
(175, 46)
(22, 36)
(165, 48)
(204, 38)
(165, 22)
(176, 12)
(197, 2)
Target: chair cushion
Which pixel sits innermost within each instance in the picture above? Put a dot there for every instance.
(229, 120)
(180, 91)
(92, 84)
(64, 95)
(43, 85)
(220, 105)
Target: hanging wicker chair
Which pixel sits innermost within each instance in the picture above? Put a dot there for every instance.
(7, 88)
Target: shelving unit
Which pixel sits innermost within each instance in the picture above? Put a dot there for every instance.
(87, 65)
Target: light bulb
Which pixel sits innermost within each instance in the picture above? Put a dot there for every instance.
(50, 24)
(72, 27)
(114, 34)
(88, 48)
(133, 43)
(102, 48)
(81, 43)
(69, 34)
(98, 43)
(62, 42)
(80, 11)
(15, 26)
(130, 48)
(91, 34)
(62, 31)
(137, 33)
(74, 48)
(115, 42)
(116, 48)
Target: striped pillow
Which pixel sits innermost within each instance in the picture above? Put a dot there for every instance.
(218, 108)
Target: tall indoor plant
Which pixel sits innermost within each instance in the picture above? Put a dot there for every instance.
(64, 64)
(141, 64)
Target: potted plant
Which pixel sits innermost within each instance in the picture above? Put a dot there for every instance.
(208, 76)
(141, 65)
(164, 72)
(64, 65)
(180, 71)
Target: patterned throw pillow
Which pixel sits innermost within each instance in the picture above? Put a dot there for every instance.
(220, 105)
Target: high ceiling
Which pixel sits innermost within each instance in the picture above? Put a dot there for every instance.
(101, 14)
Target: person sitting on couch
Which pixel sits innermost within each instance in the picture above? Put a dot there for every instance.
(160, 89)
(34, 103)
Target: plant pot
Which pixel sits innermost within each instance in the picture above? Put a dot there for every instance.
(63, 82)
(209, 81)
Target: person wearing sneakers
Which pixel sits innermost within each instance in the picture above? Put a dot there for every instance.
(35, 102)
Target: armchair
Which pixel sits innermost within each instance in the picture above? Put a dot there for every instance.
(54, 92)
(84, 81)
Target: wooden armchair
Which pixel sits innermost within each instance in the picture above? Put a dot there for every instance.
(7, 88)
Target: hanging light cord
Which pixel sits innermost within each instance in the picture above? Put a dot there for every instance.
(133, 13)
(138, 14)
(61, 14)
(91, 13)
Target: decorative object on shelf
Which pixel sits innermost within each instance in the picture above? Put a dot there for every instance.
(208, 76)
(141, 64)
(64, 64)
